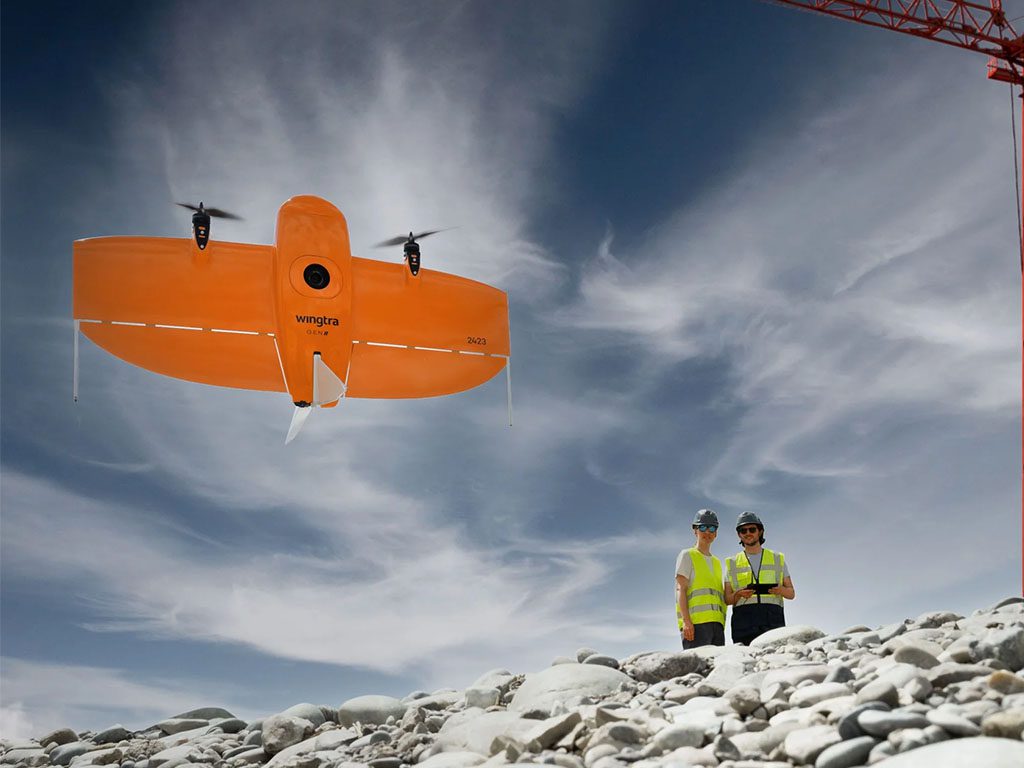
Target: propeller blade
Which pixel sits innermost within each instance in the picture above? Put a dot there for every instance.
(405, 238)
(299, 417)
(393, 241)
(215, 213)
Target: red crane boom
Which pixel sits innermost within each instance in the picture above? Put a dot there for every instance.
(973, 26)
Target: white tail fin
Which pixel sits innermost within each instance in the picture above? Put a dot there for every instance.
(299, 417)
(327, 387)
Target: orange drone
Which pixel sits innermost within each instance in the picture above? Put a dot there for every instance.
(302, 316)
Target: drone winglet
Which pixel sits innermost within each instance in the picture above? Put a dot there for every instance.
(74, 375)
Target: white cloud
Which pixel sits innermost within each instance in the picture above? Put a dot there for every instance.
(40, 697)
(385, 607)
(842, 273)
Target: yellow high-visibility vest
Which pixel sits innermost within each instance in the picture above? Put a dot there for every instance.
(740, 574)
(705, 594)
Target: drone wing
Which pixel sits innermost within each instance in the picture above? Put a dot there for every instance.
(423, 336)
(159, 304)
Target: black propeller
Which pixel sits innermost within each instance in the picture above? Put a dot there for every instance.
(410, 238)
(215, 213)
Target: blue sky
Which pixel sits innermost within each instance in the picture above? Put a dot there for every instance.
(756, 259)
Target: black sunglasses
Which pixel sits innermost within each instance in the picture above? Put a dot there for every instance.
(747, 529)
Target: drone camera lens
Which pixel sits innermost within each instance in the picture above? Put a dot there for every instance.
(316, 276)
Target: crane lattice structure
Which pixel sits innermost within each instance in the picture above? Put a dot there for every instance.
(974, 27)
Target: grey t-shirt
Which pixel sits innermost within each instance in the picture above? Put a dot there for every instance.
(684, 565)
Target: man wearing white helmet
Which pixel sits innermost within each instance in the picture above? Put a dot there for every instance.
(700, 598)
(757, 581)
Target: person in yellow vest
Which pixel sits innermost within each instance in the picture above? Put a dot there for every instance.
(757, 582)
(700, 598)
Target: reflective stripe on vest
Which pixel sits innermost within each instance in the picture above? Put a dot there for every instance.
(705, 596)
(740, 574)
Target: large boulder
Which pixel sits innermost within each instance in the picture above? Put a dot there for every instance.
(960, 753)
(283, 731)
(567, 683)
(372, 710)
(799, 634)
(655, 666)
(310, 712)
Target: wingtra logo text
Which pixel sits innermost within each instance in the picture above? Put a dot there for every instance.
(318, 320)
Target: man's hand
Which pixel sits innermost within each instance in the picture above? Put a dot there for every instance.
(687, 629)
(745, 594)
(777, 591)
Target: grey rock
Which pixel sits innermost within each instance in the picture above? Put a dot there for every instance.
(846, 754)
(818, 692)
(880, 690)
(112, 735)
(311, 712)
(603, 660)
(806, 744)
(583, 653)
(881, 724)
(793, 675)
(744, 699)
(370, 710)
(482, 697)
(952, 723)
(889, 631)
(727, 673)
(175, 725)
(479, 733)
(625, 733)
(848, 726)
(389, 761)
(495, 678)
(283, 731)
(656, 666)
(1007, 724)
(549, 732)
(690, 756)
(795, 635)
(63, 754)
(60, 736)
(883, 750)
(203, 713)
(253, 738)
(229, 724)
(724, 749)
(963, 753)
(562, 660)
(918, 688)
(567, 682)
(1005, 645)
(25, 756)
(936, 618)
(915, 654)
(950, 672)
(455, 760)
(679, 735)
(840, 674)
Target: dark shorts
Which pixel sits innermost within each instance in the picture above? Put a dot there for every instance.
(709, 633)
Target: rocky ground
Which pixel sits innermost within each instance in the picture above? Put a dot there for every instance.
(936, 691)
